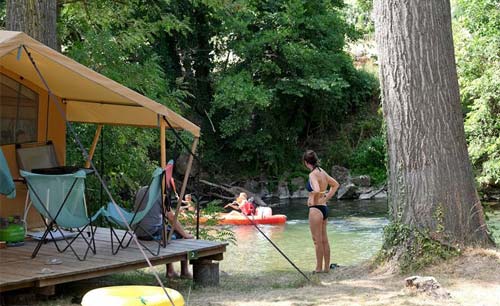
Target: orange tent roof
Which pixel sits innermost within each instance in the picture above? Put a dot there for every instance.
(89, 96)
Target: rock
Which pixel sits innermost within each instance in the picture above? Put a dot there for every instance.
(381, 195)
(347, 191)
(300, 194)
(426, 284)
(282, 192)
(367, 195)
(264, 192)
(181, 165)
(298, 182)
(298, 187)
(372, 194)
(361, 181)
(341, 175)
(251, 185)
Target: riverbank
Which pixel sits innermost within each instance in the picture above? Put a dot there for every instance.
(471, 279)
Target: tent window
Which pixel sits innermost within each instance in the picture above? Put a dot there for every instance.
(18, 112)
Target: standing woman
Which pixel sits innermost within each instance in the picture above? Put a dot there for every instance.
(317, 184)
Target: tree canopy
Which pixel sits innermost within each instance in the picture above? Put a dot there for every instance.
(267, 79)
(478, 61)
(264, 79)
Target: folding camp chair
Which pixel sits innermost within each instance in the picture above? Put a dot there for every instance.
(60, 200)
(7, 186)
(35, 156)
(133, 219)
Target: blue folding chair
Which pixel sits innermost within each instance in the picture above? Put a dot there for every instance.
(7, 186)
(134, 218)
(60, 200)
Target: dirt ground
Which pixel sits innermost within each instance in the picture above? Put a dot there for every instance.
(471, 279)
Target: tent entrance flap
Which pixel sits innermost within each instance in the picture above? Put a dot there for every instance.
(113, 114)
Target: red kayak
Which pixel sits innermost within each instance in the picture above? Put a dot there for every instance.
(263, 215)
(247, 220)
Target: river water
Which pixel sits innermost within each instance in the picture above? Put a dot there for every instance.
(355, 230)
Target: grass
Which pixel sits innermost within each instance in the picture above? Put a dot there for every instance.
(472, 279)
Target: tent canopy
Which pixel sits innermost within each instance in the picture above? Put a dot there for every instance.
(89, 96)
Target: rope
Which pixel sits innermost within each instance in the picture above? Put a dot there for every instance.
(276, 247)
(101, 180)
(251, 221)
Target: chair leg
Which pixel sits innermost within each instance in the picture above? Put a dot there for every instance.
(113, 234)
(158, 241)
(39, 244)
(123, 245)
(69, 243)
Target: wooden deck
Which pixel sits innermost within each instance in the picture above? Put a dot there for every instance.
(18, 270)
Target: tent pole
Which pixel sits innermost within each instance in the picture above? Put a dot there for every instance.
(163, 164)
(94, 144)
(184, 182)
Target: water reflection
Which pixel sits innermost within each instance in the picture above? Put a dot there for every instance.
(354, 231)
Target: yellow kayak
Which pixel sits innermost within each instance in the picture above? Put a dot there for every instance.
(132, 296)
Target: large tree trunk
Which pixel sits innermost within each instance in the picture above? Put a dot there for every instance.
(37, 18)
(431, 184)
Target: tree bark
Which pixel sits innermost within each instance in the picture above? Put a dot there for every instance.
(431, 184)
(37, 18)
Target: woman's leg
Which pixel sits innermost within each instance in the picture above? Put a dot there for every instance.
(170, 271)
(316, 226)
(326, 246)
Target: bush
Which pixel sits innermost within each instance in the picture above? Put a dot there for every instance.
(370, 158)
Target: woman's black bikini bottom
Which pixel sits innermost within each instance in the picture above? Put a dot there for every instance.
(323, 209)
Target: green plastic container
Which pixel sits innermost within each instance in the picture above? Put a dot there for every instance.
(12, 232)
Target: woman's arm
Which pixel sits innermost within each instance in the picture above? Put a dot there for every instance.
(313, 180)
(334, 186)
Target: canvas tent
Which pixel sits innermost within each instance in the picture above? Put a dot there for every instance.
(86, 97)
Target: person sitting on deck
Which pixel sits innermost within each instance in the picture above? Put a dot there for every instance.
(241, 204)
(152, 223)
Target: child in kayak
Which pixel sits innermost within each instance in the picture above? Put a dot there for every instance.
(241, 204)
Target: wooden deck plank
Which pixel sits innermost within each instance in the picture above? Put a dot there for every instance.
(19, 270)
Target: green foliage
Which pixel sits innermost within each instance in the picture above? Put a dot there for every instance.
(359, 14)
(415, 250)
(122, 156)
(271, 77)
(114, 39)
(360, 146)
(283, 78)
(370, 158)
(238, 94)
(2, 14)
(478, 61)
(210, 230)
